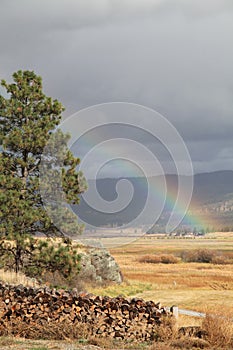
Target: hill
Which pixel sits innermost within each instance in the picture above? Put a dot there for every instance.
(212, 200)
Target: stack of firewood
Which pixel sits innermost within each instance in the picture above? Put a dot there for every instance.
(116, 317)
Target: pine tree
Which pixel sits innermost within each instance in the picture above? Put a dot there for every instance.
(28, 119)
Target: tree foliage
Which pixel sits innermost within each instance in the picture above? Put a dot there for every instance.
(28, 119)
(50, 256)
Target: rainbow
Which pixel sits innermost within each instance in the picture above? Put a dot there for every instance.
(193, 217)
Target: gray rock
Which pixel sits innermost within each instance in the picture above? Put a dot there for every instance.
(97, 265)
(88, 271)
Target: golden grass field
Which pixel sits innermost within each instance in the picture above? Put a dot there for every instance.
(194, 286)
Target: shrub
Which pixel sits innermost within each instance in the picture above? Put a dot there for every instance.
(169, 259)
(200, 255)
(218, 327)
(167, 330)
(150, 259)
(207, 256)
(223, 258)
(160, 258)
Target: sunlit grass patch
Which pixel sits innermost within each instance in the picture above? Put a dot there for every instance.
(7, 341)
(16, 278)
(125, 289)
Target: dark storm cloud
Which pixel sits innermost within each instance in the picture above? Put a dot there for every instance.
(171, 55)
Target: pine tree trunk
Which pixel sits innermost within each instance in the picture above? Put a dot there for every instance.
(17, 259)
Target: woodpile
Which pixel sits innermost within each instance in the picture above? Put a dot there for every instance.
(108, 317)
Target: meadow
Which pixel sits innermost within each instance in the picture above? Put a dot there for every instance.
(196, 286)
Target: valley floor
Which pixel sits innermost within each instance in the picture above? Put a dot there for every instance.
(195, 286)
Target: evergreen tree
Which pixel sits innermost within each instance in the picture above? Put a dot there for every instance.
(28, 119)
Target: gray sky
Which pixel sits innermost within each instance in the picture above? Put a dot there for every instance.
(174, 56)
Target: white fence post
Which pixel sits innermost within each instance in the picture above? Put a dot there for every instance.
(175, 311)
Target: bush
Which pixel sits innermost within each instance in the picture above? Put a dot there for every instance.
(218, 327)
(169, 259)
(223, 258)
(200, 255)
(207, 256)
(150, 259)
(157, 259)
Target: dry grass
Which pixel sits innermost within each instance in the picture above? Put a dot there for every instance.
(218, 326)
(190, 285)
(64, 330)
(14, 278)
(7, 343)
(80, 332)
(190, 343)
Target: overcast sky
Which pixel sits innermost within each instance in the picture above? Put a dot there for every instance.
(175, 56)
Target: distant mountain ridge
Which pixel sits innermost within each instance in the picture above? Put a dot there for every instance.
(211, 190)
(213, 187)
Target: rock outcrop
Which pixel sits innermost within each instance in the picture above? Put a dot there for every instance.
(97, 265)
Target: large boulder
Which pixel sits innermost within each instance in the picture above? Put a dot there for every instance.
(97, 265)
